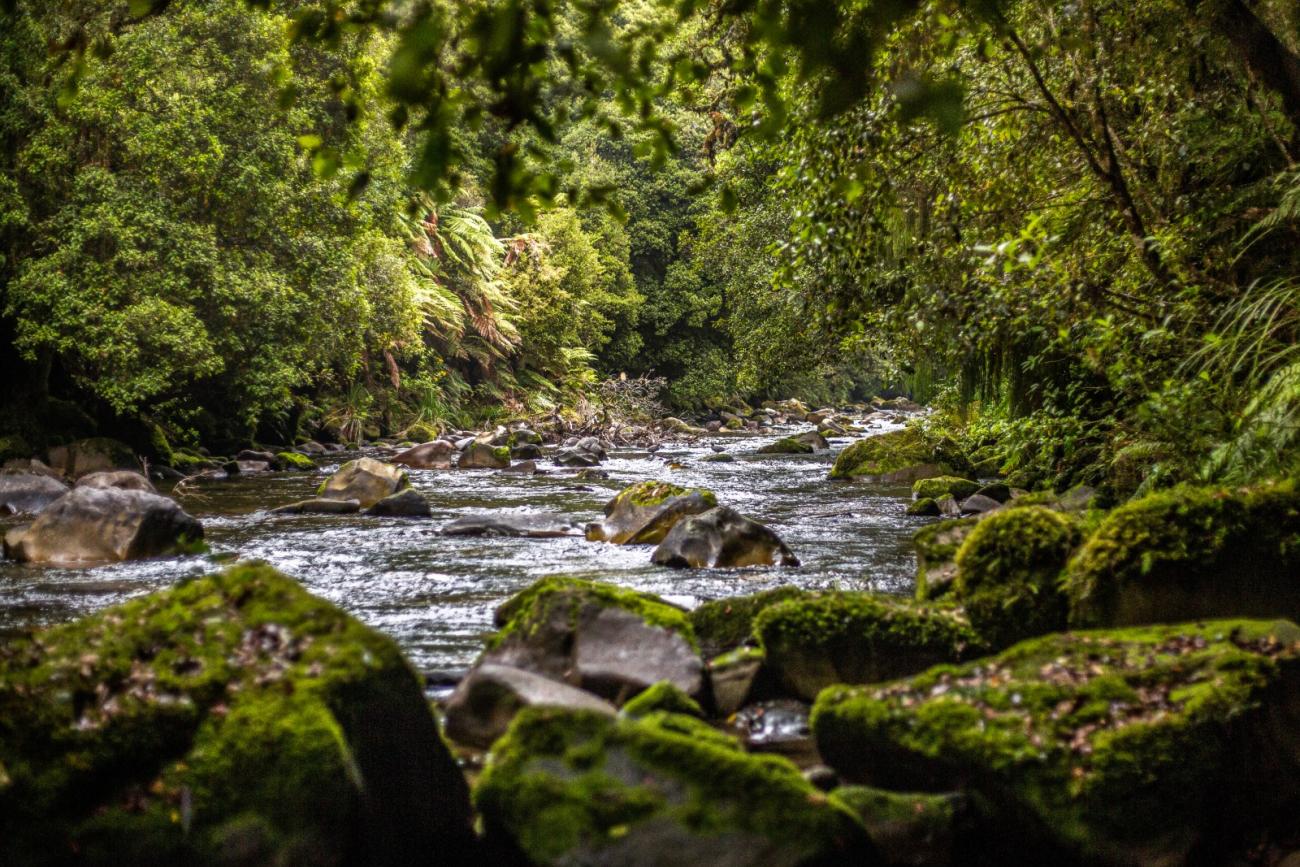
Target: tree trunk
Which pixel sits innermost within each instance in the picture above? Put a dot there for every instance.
(1267, 57)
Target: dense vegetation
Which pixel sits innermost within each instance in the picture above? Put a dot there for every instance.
(1072, 226)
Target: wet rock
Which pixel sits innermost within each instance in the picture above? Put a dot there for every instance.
(1134, 746)
(948, 506)
(718, 458)
(936, 556)
(526, 452)
(536, 525)
(311, 447)
(802, 444)
(568, 787)
(91, 456)
(294, 461)
(604, 639)
(434, 455)
(246, 468)
(574, 458)
(484, 703)
(128, 480)
(232, 714)
(89, 525)
(481, 456)
(732, 679)
(936, 487)
(721, 538)
(850, 637)
(406, 503)
(998, 491)
(924, 507)
(644, 513)
(590, 474)
(777, 726)
(523, 468)
(897, 457)
(365, 480)
(914, 830)
(264, 457)
(319, 506)
(978, 504)
(28, 493)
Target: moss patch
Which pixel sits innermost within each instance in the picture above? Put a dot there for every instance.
(724, 624)
(936, 552)
(954, 486)
(883, 454)
(294, 461)
(665, 697)
(787, 446)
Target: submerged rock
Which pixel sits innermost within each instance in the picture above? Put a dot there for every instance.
(28, 493)
(644, 513)
(898, 457)
(434, 455)
(231, 714)
(721, 538)
(365, 480)
(569, 787)
(97, 525)
(1141, 746)
(489, 697)
(406, 503)
(536, 525)
(319, 506)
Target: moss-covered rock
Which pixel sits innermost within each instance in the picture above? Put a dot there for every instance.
(828, 638)
(662, 697)
(1008, 574)
(897, 457)
(912, 828)
(936, 556)
(1189, 553)
(644, 513)
(14, 446)
(579, 788)
(925, 507)
(1137, 746)
(365, 480)
(735, 678)
(235, 706)
(481, 456)
(934, 488)
(799, 444)
(293, 461)
(724, 624)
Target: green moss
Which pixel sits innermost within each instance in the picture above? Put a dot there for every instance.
(1008, 572)
(787, 446)
(294, 461)
(883, 454)
(653, 493)
(663, 696)
(531, 606)
(1111, 743)
(502, 453)
(954, 486)
(188, 463)
(723, 624)
(924, 507)
(813, 642)
(936, 552)
(568, 787)
(908, 827)
(1191, 552)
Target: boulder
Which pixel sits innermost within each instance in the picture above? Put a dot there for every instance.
(895, 458)
(294, 461)
(721, 538)
(644, 513)
(96, 525)
(936, 556)
(936, 487)
(978, 504)
(481, 456)
(319, 506)
(577, 787)
(93, 455)
(802, 444)
(257, 456)
(28, 493)
(725, 624)
(487, 699)
(230, 717)
(535, 525)
(998, 491)
(924, 507)
(915, 829)
(574, 458)
(733, 679)
(1151, 745)
(240, 468)
(434, 455)
(365, 480)
(128, 480)
(526, 452)
(1191, 553)
(852, 637)
(604, 639)
(718, 458)
(406, 503)
(524, 468)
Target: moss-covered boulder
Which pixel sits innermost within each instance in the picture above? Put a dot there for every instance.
(294, 461)
(725, 624)
(799, 444)
(481, 456)
(666, 789)
(913, 829)
(1191, 553)
(936, 556)
(923, 508)
(365, 480)
(1141, 746)
(828, 638)
(898, 457)
(1008, 574)
(721, 538)
(233, 713)
(644, 513)
(609, 640)
(953, 486)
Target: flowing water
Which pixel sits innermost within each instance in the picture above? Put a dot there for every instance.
(435, 594)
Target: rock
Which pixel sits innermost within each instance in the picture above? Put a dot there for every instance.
(365, 480)
(234, 710)
(485, 701)
(713, 426)
(239, 468)
(998, 491)
(936, 556)
(851, 637)
(676, 425)
(803, 444)
(822, 777)
(1115, 747)
(896, 458)
(526, 452)
(948, 506)
(591, 446)
(574, 458)
(604, 639)
(913, 829)
(978, 504)
(721, 538)
(406, 503)
(535, 525)
(294, 461)
(128, 480)
(480, 456)
(523, 468)
(718, 458)
(644, 513)
(934, 488)
(267, 458)
(434, 455)
(566, 787)
(725, 624)
(589, 475)
(924, 507)
(311, 447)
(319, 506)
(1191, 553)
(91, 456)
(777, 726)
(524, 436)
(28, 493)
(96, 525)
(733, 677)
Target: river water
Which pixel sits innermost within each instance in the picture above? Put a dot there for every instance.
(435, 594)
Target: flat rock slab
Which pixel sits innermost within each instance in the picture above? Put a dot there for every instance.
(320, 506)
(533, 525)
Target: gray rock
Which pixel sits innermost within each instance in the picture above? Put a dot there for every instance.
(126, 479)
(571, 457)
(526, 452)
(365, 480)
(481, 708)
(644, 513)
(406, 503)
(28, 493)
(978, 504)
(535, 525)
(319, 506)
(523, 468)
(999, 491)
(254, 455)
(732, 677)
(434, 455)
(719, 458)
(721, 538)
